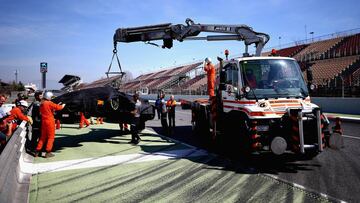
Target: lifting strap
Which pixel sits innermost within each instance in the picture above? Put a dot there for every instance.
(121, 73)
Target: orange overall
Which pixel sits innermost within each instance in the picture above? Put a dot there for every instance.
(16, 114)
(47, 125)
(57, 124)
(210, 70)
(99, 120)
(83, 120)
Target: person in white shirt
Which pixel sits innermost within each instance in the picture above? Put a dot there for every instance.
(164, 123)
(135, 139)
(2, 110)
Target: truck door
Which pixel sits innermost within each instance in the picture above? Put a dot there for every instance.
(231, 89)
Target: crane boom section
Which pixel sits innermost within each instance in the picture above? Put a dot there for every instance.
(169, 32)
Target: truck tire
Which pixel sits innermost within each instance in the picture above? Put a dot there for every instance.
(244, 140)
(237, 135)
(201, 124)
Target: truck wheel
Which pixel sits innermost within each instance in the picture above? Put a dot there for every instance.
(244, 142)
(238, 136)
(201, 125)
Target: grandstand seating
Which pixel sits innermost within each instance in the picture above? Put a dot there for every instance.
(160, 79)
(100, 83)
(144, 77)
(287, 52)
(349, 46)
(324, 70)
(290, 51)
(198, 83)
(317, 49)
(189, 67)
(192, 81)
(129, 85)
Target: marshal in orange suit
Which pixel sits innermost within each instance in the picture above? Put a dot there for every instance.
(210, 70)
(47, 109)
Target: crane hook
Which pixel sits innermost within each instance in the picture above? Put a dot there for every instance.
(188, 21)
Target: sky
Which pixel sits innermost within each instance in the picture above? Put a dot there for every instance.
(75, 36)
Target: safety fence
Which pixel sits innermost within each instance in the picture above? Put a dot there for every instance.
(14, 180)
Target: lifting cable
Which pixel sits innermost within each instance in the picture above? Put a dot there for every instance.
(121, 73)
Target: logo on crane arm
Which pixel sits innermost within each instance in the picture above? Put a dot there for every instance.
(221, 28)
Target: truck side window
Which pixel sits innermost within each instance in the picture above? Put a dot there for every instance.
(231, 74)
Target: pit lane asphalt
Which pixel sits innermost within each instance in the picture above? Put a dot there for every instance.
(333, 172)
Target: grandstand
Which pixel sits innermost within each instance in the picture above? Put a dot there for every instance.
(349, 46)
(326, 70)
(334, 59)
(113, 81)
(168, 79)
(317, 49)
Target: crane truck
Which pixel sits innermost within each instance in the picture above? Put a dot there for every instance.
(261, 103)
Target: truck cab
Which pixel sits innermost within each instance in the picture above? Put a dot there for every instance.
(265, 81)
(263, 104)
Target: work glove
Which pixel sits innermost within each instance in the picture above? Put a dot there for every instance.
(30, 120)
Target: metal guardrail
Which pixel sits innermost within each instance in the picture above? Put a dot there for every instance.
(14, 180)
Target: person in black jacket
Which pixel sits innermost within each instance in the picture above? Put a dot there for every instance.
(36, 127)
(164, 123)
(171, 105)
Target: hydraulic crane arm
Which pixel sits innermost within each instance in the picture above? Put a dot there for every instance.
(168, 32)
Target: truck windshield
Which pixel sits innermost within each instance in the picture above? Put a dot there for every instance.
(273, 78)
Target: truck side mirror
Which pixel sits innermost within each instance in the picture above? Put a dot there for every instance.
(239, 94)
(222, 79)
(312, 87)
(309, 75)
(222, 74)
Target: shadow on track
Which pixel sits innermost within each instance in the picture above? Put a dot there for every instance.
(95, 135)
(228, 158)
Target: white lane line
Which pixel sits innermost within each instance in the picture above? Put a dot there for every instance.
(353, 137)
(114, 160)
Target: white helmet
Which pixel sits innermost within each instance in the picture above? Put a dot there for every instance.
(48, 95)
(23, 103)
(207, 60)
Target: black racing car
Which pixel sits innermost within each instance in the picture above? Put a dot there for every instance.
(105, 102)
